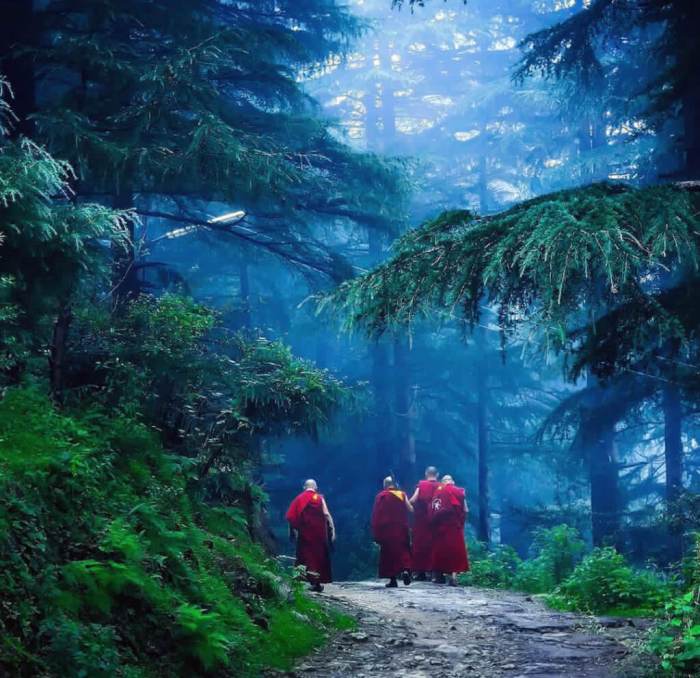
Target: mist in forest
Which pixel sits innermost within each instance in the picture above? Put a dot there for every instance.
(432, 90)
(244, 244)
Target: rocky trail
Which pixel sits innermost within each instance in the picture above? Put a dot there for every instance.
(438, 631)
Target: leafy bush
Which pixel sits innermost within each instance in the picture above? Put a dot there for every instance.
(108, 566)
(677, 638)
(605, 583)
(492, 569)
(556, 551)
(168, 361)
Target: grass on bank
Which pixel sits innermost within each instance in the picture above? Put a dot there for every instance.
(110, 566)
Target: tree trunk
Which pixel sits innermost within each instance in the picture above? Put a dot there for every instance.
(691, 100)
(57, 354)
(597, 433)
(673, 452)
(484, 518)
(691, 141)
(483, 528)
(405, 449)
(380, 381)
(599, 436)
(17, 27)
(592, 137)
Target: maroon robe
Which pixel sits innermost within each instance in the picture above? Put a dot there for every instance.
(390, 530)
(447, 518)
(422, 529)
(305, 514)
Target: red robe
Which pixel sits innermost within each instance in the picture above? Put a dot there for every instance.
(447, 518)
(422, 529)
(305, 514)
(390, 530)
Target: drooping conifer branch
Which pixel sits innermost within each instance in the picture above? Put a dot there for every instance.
(557, 260)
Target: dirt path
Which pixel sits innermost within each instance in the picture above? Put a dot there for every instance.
(437, 631)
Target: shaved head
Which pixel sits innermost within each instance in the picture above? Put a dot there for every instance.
(310, 484)
(448, 480)
(388, 482)
(431, 472)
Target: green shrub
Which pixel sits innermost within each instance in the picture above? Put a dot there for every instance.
(491, 569)
(556, 551)
(676, 640)
(605, 583)
(110, 567)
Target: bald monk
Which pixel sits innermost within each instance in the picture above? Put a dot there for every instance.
(448, 513)
(422, 547)
(390, 530)
(311, 525)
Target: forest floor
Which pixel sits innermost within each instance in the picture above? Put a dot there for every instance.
(438, 631)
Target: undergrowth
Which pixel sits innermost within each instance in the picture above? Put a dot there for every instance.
(110, 567)
(601, 582)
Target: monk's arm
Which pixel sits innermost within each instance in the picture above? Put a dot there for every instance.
(414, 498)
(329, 518)
(409, 506)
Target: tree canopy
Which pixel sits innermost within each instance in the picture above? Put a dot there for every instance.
(557, 261)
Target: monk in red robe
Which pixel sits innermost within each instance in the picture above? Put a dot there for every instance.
(390, 530)
(422, 546)
(311, 525)
(448, 514)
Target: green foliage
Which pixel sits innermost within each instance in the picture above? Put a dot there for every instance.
(596, 45)
(602, 582)
(48, 243)
(553, 255)
(108, 565)
(167, 361)
(556, 551)
(216, 113)
(677, 638)
(292, 632)
(494, 568)
(605, 583)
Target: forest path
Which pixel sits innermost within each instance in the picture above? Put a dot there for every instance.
(439, 631)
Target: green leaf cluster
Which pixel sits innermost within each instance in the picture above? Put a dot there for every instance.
(169, 361)
(677, 638)
(555, 553)
(49, 243)
(600, 582)
(201, 101)
(545, 258)
(110, 567)
(605, 583)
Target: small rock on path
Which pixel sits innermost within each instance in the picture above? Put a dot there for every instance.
(426, 630)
